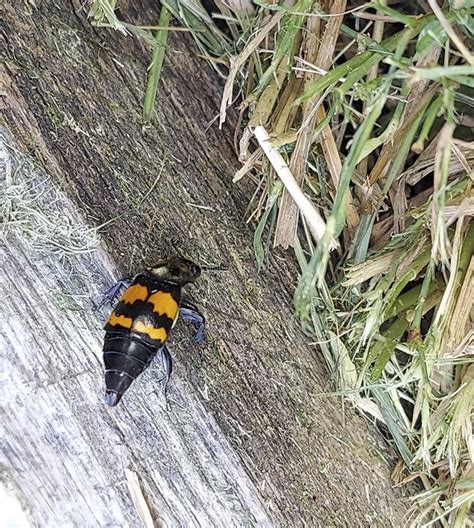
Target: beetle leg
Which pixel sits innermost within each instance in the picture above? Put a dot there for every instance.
(190, 313)
(111, 294)
(167, 364)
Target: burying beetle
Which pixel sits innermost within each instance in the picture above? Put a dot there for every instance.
(140, 324)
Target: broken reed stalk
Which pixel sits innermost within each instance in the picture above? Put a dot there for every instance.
(315, 222)
(138, 499)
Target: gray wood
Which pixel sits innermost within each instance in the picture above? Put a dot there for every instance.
(252, 437)
(66, 449)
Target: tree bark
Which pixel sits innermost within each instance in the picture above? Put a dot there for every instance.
(250, 439)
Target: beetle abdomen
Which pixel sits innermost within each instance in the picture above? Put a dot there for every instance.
(125, 358)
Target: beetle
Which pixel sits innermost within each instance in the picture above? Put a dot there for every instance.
(138, 327)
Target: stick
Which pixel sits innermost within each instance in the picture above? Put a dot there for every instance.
(316, 224)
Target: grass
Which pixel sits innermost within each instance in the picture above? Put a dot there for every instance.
(156, 65)
(370, 106)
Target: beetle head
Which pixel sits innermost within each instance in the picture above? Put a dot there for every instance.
(176, 269)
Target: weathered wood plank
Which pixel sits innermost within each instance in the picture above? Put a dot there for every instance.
(61, 446)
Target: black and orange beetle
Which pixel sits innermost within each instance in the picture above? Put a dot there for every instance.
(139, 325)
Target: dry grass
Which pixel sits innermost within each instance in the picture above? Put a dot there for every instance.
(368, 107)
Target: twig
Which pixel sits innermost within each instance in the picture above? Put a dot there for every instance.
(375, 16)
(138, 499)
(154, 184)
(314, 220)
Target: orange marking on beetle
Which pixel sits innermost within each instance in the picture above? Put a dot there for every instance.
(137, 292)
(164, 304)
(155, 333)
(120, 320)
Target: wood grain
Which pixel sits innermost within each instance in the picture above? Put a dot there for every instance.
(64, 449)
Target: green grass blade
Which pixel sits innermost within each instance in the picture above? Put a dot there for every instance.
(257, 238)
(154, 72)
(394, 424)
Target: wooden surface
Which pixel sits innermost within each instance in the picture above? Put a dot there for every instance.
(249, 438)
(67, 450)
